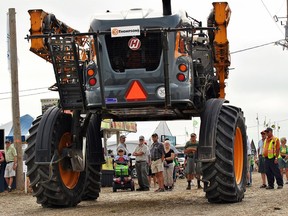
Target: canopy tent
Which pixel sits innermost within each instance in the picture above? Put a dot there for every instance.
(25, 124)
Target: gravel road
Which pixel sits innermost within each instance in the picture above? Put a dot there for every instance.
(177, 202)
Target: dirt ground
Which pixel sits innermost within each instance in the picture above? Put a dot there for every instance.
(177, 202)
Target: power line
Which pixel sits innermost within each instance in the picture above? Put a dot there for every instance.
(27, 95)
(25, 90)
(254, 47)
(283, 2)
(271, 17)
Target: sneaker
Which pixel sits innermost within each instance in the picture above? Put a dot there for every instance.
(280, 187)
(269, 187)
(188, 187)
(200, 187)
(263, 186)
(9, 189)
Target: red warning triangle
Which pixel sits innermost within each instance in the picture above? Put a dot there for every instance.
(136, 92)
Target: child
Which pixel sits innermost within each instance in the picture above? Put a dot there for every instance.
(120, 158)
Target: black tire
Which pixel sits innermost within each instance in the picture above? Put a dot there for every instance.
(93, 184)
(133, 173)
(132, 185)
(225, 178)
(114, 187)
(52, 185)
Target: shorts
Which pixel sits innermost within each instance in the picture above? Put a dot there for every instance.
(261, 164)
(190, 166)
(282, 163)
(150, 172)
(9, 171)
(157, 166)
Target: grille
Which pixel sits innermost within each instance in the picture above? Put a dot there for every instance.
(122, 57)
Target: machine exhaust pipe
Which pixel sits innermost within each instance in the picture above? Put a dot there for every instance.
(166, 7)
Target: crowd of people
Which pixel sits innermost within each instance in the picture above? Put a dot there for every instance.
(272, 160)
(159, 162)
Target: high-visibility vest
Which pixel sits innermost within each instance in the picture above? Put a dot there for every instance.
(283, 150)
(271, 147)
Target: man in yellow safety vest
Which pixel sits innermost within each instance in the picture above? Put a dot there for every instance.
(271, 151)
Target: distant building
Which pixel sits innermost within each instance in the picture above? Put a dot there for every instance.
(46, 103)
(7, 130)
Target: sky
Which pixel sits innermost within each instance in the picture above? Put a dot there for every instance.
(257, 81)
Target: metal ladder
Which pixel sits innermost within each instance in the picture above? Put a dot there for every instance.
(68, 72)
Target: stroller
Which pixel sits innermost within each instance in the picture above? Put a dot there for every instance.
(122, 179)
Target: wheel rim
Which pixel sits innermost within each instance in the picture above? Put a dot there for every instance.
(69, 177)
(238, 155)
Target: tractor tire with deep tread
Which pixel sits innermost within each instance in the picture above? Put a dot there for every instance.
(225, 178)
(93, 184)
(49, 187)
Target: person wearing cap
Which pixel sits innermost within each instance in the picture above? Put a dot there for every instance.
(122, 144)
(157, 158)
(141, 153)
(261, 159)
(190, 150)
(11, 164)
(271, 152)
(121, 158)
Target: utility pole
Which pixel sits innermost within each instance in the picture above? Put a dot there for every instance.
(12, 55)
(283, 42)
(286, 26)
(257, 118)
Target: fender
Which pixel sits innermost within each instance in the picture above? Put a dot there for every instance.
(206, 148)
(94, 142)
(44, 135)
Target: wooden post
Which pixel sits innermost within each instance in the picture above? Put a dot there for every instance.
(12, 46)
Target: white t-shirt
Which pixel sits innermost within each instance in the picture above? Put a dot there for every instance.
(260, 147)
(248, 147)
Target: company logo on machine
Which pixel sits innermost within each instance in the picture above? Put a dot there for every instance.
(134, 43)
(125, 31)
